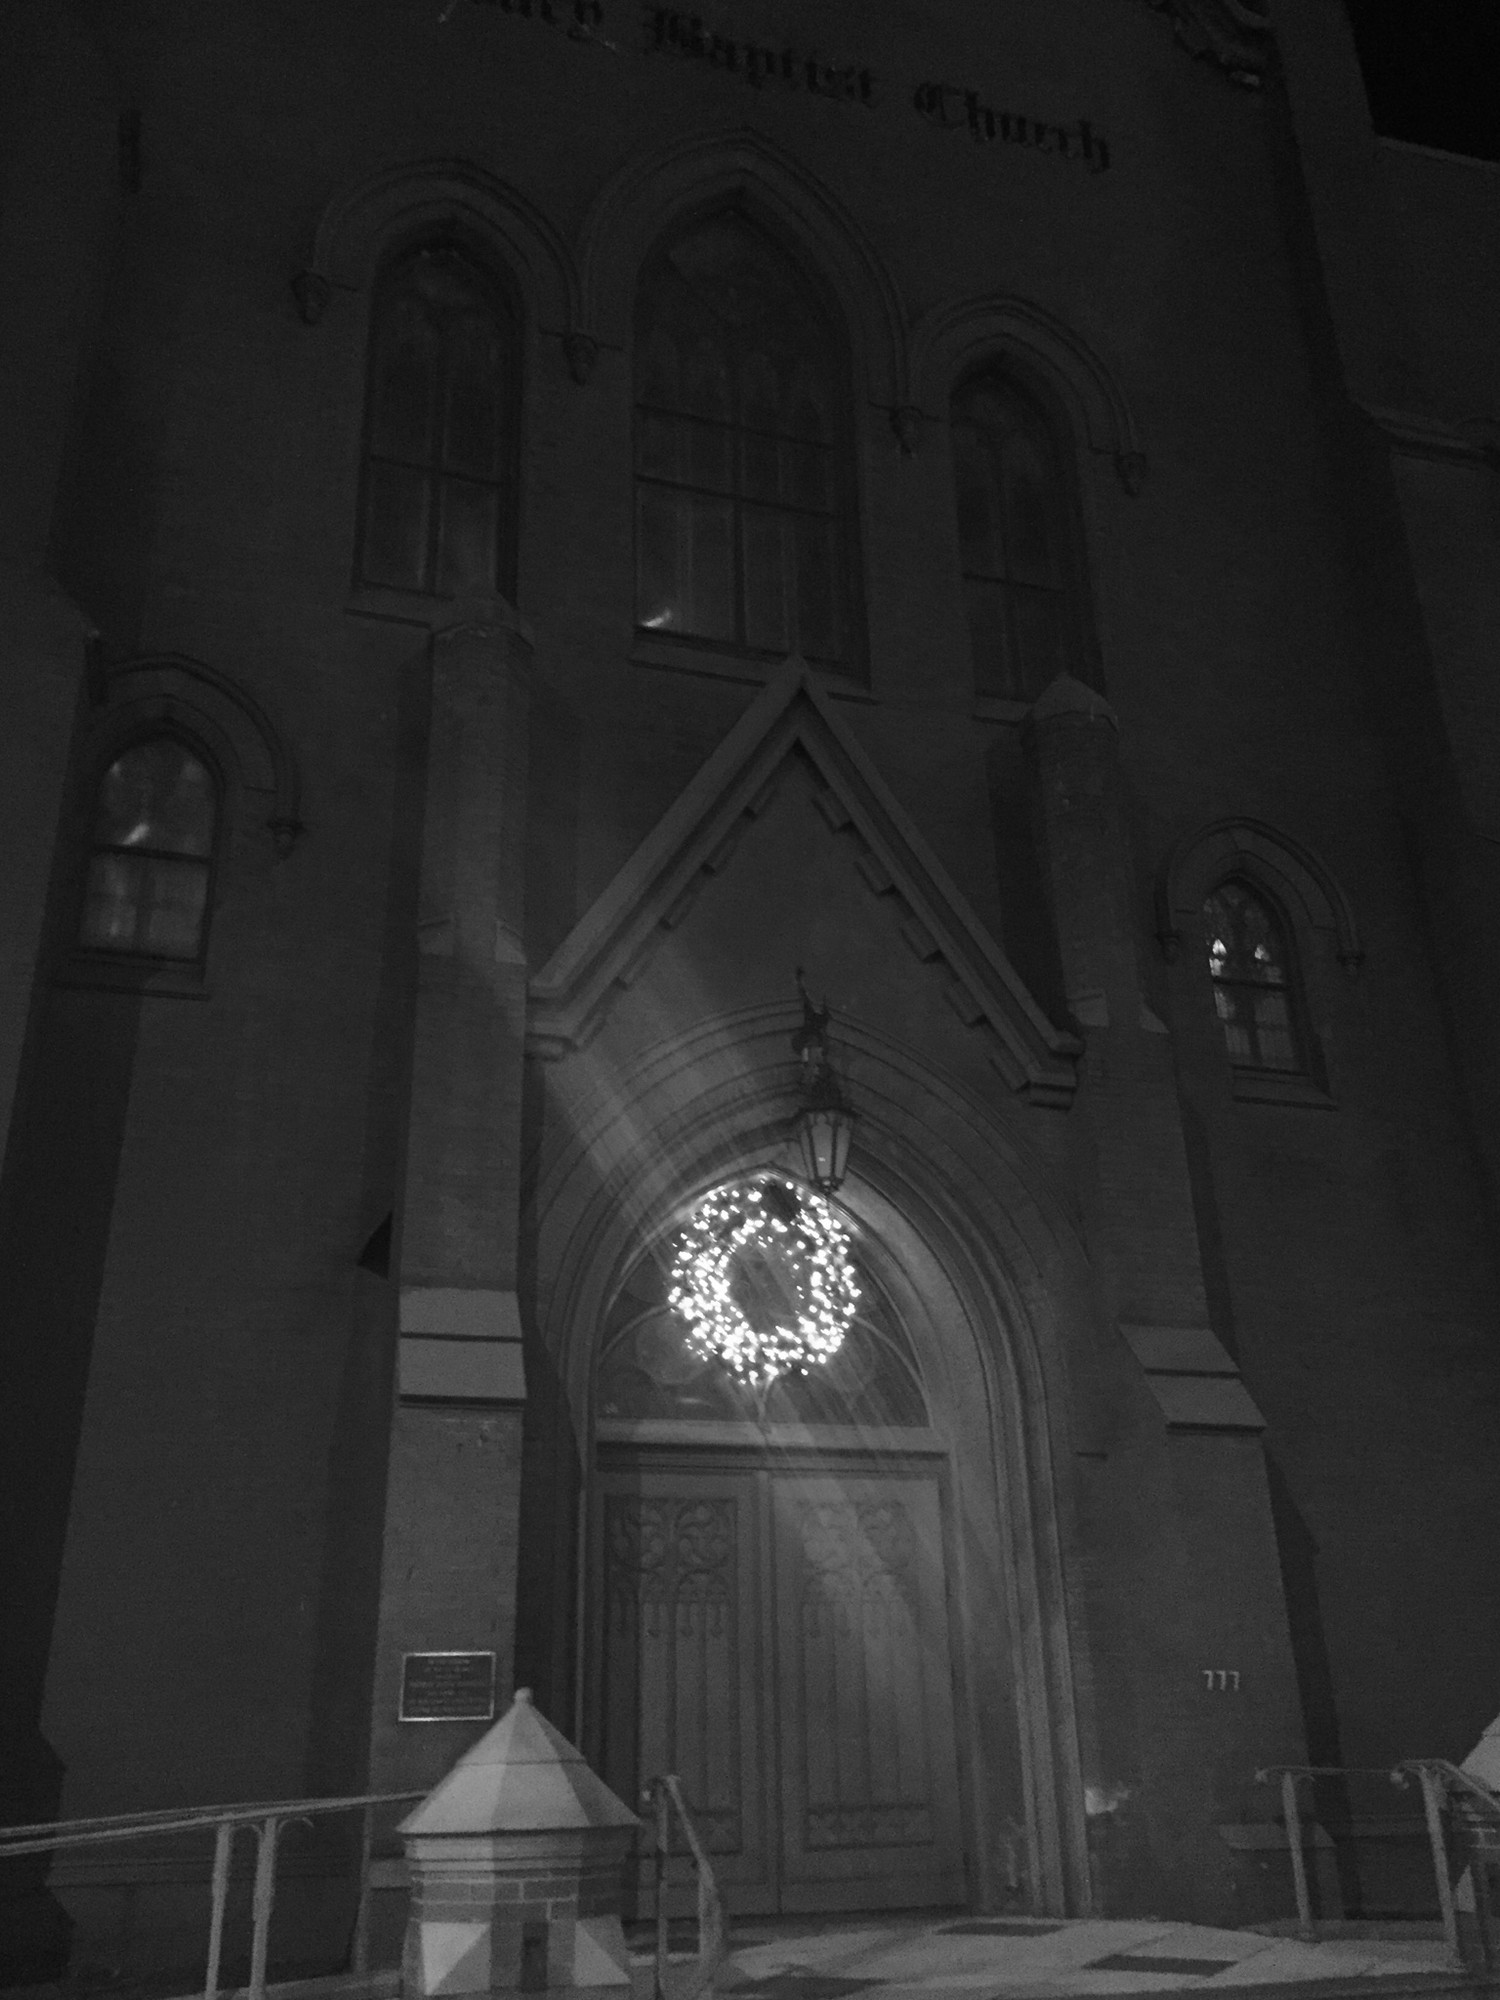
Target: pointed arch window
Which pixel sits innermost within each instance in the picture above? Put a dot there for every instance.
(156, 815)
(1021, 581)
(744, 489)
(1250, 963)
(437, 507)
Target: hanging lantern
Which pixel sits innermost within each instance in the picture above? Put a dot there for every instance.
(824, 1124)
(762, 1275)
(823, 1127)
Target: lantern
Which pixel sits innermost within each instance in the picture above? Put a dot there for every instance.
(824, 1124)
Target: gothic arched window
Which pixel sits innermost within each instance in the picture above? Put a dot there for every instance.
(156, 816)
(437, 508)
(1249, 961)
(744, 493)
(1021, 587)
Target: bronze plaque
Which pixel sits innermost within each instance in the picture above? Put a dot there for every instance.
(447, 1687)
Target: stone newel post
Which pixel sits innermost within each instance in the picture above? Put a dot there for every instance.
(515, 1864)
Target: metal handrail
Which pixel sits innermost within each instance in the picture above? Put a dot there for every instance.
(1455, 1778)
(1291, 1813)
(664, 1796)
(1437, 1778)
(176, 1819)
(265, 1820)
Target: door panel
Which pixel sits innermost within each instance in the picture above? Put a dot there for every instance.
(780, 1641)
(865, 1694)
(682, 1656)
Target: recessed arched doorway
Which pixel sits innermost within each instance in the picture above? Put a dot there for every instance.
(958, 1221)
(772, 1602)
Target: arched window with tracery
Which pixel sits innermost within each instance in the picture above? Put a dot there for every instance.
(146, 893)
(1022, 590)
(744, 487)
(437, 508)
(1250, 963)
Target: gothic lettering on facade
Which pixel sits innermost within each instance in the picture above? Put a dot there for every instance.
(584, 15)
(951, 107)
(668, 31)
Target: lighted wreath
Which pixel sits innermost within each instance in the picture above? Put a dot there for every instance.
(762, 1276)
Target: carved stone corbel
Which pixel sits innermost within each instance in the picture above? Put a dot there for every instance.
(1233, 34)
(285, 832)
(906, 422)
(312, 291)
(581, 351)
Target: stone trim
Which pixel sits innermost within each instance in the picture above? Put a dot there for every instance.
(438, 1369)
(953, 339)
(1286, 867)
(365, 219)
(605, 951)
(707, 170)
(460, 1312)
(1193, 1378)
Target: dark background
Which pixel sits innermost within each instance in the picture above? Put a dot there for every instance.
(1432, 69)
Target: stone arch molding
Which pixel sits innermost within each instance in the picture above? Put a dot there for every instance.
(1288, 870)
(993, 1264)
(699, 174)
(173, 692)
(429, 197)
(953, 338)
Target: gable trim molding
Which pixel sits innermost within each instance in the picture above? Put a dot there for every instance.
(651, 895)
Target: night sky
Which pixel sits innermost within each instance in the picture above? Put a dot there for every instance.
(1432, 69)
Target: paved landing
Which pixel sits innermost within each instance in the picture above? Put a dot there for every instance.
(973, 1958)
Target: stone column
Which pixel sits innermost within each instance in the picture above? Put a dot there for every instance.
(448, 1581)
(1178, 1563)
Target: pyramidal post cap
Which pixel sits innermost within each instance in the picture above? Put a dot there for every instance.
(522, 1776)
(1483, 1761)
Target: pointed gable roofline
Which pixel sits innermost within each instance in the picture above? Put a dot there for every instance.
(612, 942)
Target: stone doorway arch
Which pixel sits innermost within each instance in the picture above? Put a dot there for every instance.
(977, 1251)
(770, 1610)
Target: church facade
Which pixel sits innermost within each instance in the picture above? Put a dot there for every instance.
(536, 527)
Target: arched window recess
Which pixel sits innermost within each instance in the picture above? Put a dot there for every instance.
(183, 778)
(438, 488)
(152, 847)
(1256, 920)
(1250, 962)
(1019, 540)
(745, 512)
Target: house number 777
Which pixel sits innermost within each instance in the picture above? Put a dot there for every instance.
(1222, 1678)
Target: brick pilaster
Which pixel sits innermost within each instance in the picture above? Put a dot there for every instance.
(453, 1497)
(1182, 1576)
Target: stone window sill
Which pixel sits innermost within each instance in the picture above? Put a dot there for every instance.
(156, 979)
(399, 607)
(1252, 1086)
(993, 708)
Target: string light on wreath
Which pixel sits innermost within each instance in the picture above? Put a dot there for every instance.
(762, 1275)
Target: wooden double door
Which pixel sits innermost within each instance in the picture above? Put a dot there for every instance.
(778, 1638)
